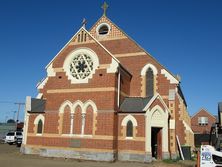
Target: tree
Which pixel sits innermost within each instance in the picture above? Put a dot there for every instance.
(11, 121)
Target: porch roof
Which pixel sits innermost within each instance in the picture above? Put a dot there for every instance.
(37, 105)
(134, 104)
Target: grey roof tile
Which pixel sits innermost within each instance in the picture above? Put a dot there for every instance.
(37, 105)
(134, 104)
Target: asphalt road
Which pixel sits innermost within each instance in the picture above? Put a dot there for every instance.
(11, 157)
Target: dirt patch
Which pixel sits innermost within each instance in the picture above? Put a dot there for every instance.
(10, 157)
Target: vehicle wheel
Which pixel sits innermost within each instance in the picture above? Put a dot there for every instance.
(10, 143)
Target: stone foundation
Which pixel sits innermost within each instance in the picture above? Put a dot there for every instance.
(84, 155)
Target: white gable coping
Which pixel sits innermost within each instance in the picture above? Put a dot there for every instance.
(169, 76)
(50, 71)
(157, 96)
(113, 67)
(82, 28)
(42, 83)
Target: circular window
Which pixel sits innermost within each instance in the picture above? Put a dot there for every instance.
(80, 65)
(103, 29)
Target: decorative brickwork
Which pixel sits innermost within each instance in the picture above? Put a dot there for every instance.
(86, 119)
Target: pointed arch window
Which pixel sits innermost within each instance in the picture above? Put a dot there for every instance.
(40, 127)
(129, 129)
(149, 82)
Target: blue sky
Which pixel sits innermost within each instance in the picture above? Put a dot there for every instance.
(183, 35)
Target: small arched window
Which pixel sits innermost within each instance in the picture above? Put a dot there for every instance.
(129, 129)
(103, 30)
(40, 127)
(149, 82)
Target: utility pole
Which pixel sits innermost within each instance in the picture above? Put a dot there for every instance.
(19, 106)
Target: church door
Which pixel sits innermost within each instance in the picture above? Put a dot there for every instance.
(156, 142)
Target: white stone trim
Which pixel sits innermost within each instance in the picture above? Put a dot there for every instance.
(172, 124)
(42, 83)
(39, 117)
(113, 67)
(187, 127)
(82, 28)
(69, 58)
(146, 67)
(129, 118)
(89, 103)
(64, 104)
(76, 104)
(99, 26)
(157, 96)
(150, 123)
(170, 77)
(50, 71)
(39, 96)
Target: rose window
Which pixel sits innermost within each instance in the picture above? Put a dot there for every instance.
(81, 66)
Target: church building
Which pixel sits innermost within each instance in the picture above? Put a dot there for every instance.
(105, 98)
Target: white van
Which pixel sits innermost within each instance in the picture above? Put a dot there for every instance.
(11, 137)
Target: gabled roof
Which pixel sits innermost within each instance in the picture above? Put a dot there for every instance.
(133, 41)
(82, 28)
(202, 109)
(134, 104)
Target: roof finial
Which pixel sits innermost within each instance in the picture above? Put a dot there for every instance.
(84, 23)
(104, 7)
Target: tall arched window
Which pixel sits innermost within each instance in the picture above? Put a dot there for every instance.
(149, 82)
(129, 129)
(40, 127)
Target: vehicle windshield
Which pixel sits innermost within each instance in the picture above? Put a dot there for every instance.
(10, 134)
(19, 133)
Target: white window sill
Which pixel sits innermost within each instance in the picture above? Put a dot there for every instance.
(129, 138)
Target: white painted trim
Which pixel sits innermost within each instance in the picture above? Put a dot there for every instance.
(64, 47)
(188, 128)
(42, 83)
(172, 124)
(113, 67)
(129, 138)
(64, 104)
(153, 99)
(76, 104)
(170, 77)
(118, 90)
(89, 103)
(82, 28)
(76, 52)
(99, 26)
(39, 96)
(129, 118)
(146, 67)
(39, 117)
(50, 71)
(149, 124)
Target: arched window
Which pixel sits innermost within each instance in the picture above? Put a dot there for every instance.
(149, 82)
(129, 129)
(40, 127)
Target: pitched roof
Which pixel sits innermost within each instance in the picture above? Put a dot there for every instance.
(134, 104)
(124, 33)
(37, 105)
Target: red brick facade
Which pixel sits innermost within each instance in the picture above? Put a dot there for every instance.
(87, 116)
(202, 128)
